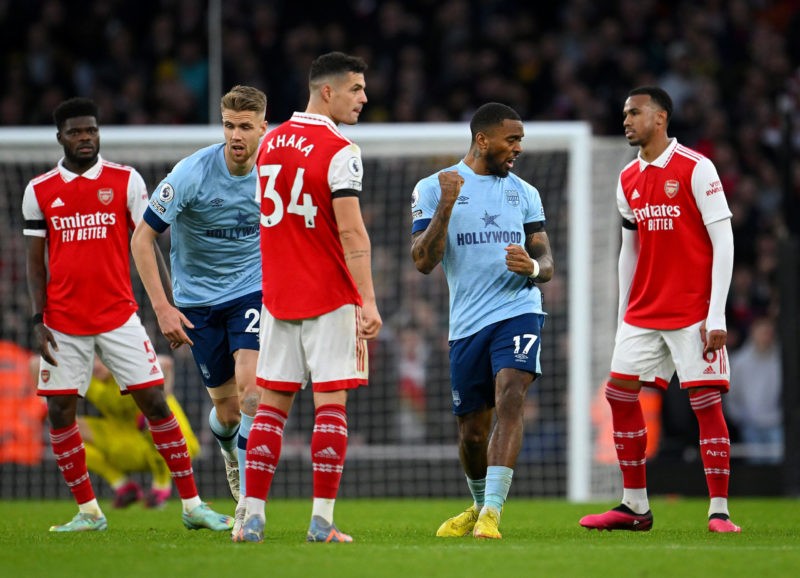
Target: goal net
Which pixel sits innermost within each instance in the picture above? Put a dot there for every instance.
(402, 432)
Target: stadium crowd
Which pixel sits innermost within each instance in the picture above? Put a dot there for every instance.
(731, 67)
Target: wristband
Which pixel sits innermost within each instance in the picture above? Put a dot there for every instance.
(535, 273)
(36, 319)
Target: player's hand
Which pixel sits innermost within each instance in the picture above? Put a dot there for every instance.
(371, 321)
(450, 183)
(171, 322)
(46, 340)
(713, 340)
(518, 261)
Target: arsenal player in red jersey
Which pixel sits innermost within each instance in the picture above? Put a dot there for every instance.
(78, 218)
(319, 301)
(675, 269)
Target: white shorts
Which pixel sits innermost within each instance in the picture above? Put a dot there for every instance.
(325, 349)
(126, 351)
(654, 355)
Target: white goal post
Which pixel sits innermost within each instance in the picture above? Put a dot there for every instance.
(576, 174)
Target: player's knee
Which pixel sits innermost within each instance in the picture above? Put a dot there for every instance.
(152, 403)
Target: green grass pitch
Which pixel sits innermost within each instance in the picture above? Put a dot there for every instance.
(395, 538)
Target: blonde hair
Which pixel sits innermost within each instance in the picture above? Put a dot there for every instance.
(241, 98)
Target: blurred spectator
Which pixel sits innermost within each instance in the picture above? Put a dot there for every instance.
(754, 401)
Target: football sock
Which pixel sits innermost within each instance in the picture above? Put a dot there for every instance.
(636, 500)
(226, 436)
(170, 443)
(91, 507)
(498, 481)
(70, 457)
(715, 444)
(323, 507)
(263, 451)
(630, 436)
(718, 507)
(478, 490)
(255, 506)
(241, 449)
(328, 449)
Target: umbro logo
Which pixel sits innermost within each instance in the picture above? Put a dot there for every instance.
(709, 370)
(217, 202)
(57, 203)
(462, 200)
(261, 450)
(328, 453)
(635, 194)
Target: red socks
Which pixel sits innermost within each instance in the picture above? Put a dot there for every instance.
(171, 444)
(630, 435)
(264, 450)
(328, 449)
(71, 459)
(715, 445)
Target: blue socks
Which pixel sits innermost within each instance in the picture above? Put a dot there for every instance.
(226, 437)
(241, 450)
(498, 481)
(477, 488)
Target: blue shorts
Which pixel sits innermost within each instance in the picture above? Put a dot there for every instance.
(219, 330)
(475, 360)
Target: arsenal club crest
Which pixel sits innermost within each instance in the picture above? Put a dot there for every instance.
(45, 375)
(671, 188)
(105, 196)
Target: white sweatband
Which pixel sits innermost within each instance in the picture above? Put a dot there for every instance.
(535, 273)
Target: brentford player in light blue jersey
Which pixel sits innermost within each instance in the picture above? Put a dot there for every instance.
(486, 226)
(208, 202)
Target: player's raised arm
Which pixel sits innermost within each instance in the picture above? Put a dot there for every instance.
(427, 247)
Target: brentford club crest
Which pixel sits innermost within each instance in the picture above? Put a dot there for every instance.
(105, 196)
(45, 375)
(671, 188)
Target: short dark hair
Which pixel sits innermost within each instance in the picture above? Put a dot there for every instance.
(490, 115)
(333, 64)
(657, 95)
(78, 106)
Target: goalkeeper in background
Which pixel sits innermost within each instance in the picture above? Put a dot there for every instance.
(118, 442)
(486, 226)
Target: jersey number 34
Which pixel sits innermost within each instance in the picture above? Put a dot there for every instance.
(306, 209)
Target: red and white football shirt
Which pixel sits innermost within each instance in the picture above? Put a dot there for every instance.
(671, 200)
(301, 165)
(86, 220)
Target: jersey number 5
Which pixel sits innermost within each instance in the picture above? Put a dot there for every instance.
(306, 209)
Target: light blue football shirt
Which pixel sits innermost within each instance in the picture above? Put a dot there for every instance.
(489, 214)
(214, 221)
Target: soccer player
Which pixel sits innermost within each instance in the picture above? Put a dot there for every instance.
(117, 444)
(207, 200)
(319, 300)
(675, 268)
(77, 222)
(487, 228)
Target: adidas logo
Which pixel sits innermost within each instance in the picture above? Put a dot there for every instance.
(261, 450)
(635, 194)
(154, 370)
(57, 203)
(709, 370)
(328, 453)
